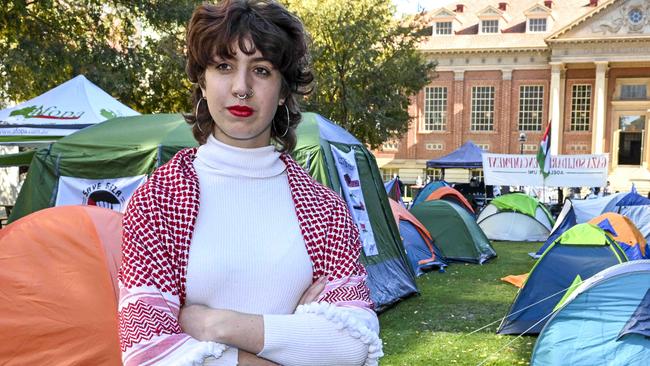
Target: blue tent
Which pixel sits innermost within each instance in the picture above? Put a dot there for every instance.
(467, 156)
(636, 208)
(393, 190)
(604, 321)
(417, 249)
(427, 190)
(565, 220)
(421, 251)
(583, 251)
(586, 210)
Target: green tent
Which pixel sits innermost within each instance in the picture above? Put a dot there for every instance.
(23, 158)
(121, 147)
(454, 231)
(516, 217)
(390, 276)
(104, 163)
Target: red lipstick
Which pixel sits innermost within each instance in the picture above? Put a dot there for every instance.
(240, 111)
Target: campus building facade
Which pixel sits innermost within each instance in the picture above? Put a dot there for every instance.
(507, 68)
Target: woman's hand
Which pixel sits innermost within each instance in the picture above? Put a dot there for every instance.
(244, 331)
(202, 322)
(313, 292)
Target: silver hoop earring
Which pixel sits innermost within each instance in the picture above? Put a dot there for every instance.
(288, 122)
(196, 112)
(248, 94)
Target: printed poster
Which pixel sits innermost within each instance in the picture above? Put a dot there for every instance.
(111, 193)
(346, 165)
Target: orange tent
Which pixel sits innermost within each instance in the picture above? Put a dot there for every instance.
(58, 290)
(401, 213)
(625, 232)
(419, 246)
(452, 195)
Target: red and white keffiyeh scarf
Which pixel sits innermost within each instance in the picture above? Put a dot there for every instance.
(157, 232)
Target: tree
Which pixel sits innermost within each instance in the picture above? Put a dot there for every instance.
(366, 65)
(131, 49)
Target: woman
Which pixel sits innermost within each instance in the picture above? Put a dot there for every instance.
(232, 254)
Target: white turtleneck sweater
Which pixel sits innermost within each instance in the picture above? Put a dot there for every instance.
(248, 255)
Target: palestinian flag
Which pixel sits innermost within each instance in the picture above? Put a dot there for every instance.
(544, 152)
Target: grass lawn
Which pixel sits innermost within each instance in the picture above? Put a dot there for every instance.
(430, 329)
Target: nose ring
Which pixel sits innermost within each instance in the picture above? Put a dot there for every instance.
(247, 95)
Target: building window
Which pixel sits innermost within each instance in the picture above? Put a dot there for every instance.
(388, 173)
(633, 92)
(434, 174)
(477, 174)
(435, 108)
(390, 146)
(490, 26)
(484, 147)
(442, 28)
(580, 107)
(531, 106)
(434, 146)
(530, 147)
(482, 118)
(581, 148)
(537, 25)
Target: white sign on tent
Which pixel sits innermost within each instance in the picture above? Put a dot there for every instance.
(111, 193)
(73, 105)
(565, 171)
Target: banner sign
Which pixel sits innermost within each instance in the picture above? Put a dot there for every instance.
(111, 193)
(346, 165)
(565, 170)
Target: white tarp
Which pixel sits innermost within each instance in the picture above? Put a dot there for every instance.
(566, 170)
(346, 165)
(111, 193)
(73, 105)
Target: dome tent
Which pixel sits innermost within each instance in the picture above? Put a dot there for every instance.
(612, 312)
(581, 251)
(452, 195)
(454, 231)
(125, 147)
(625, 233)
(515, 217)
(427, 190)
(565, 220)
(320, 149)
(58, 287)
(393, 190)
(420, 249)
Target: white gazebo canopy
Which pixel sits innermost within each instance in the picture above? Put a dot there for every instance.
(69, 107)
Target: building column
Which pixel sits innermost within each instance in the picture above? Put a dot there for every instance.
(506, 91)
(555, 106)
(459, 87)
(600, 100)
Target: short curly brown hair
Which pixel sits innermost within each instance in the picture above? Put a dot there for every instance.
(276, 33)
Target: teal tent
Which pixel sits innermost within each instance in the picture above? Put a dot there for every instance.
(604, 321)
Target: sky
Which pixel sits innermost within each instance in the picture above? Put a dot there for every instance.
(413, 6)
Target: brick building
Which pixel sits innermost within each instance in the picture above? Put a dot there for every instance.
(509, 67)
